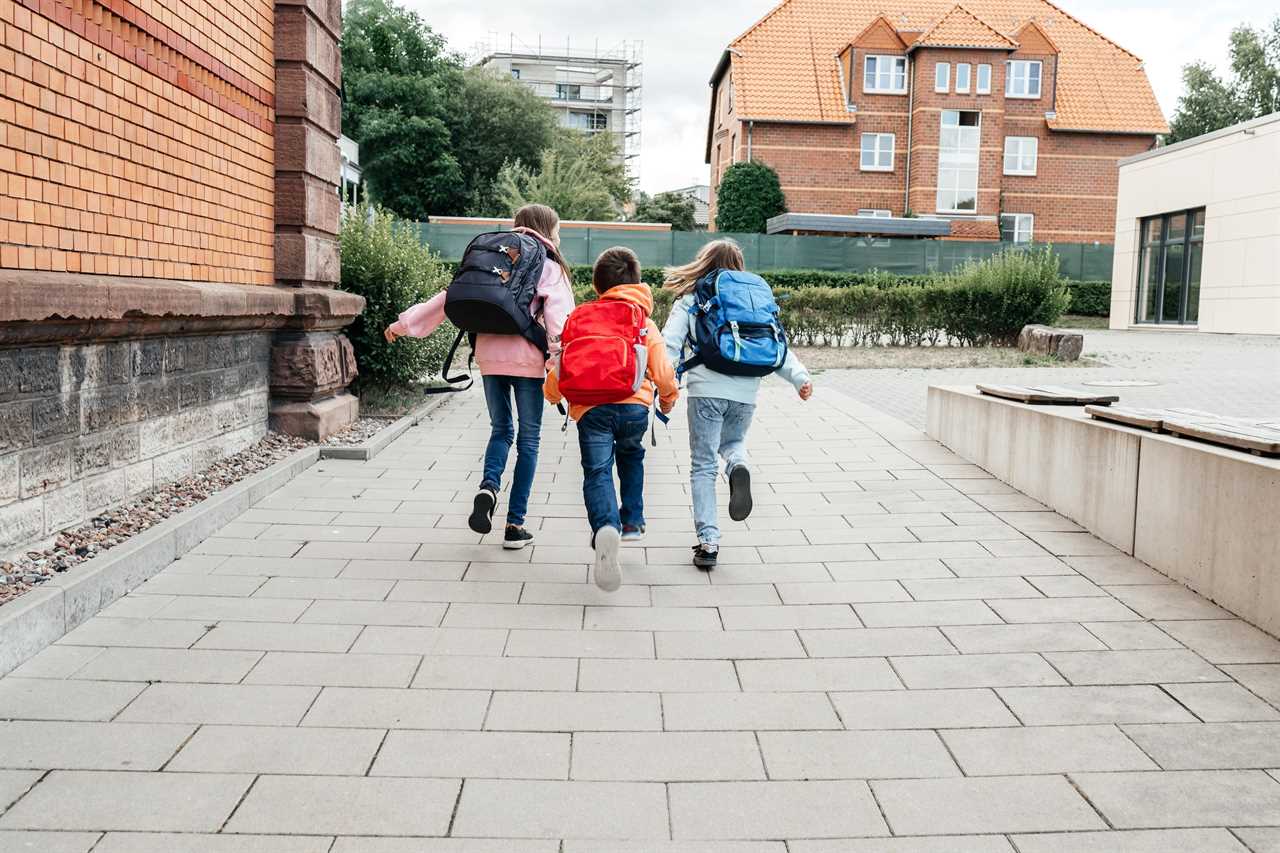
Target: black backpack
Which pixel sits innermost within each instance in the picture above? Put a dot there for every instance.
(493, 291)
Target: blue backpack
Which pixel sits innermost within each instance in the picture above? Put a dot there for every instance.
(734, 326)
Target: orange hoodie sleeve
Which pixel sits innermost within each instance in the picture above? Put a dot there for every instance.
(551, 387)
(660, 371)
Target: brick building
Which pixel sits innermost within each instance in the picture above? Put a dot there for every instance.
(999, 116)
(168, 260)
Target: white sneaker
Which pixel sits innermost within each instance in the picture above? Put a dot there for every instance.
(607, 572)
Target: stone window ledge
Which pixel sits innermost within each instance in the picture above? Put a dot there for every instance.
(50, 307)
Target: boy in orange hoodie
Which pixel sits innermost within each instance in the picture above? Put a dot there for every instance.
(615, 431)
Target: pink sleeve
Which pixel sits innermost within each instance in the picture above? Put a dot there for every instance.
(422, 319)
(557, 301)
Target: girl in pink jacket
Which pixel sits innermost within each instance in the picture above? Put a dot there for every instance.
(511, 368)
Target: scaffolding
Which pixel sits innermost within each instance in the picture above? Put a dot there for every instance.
(592, 89)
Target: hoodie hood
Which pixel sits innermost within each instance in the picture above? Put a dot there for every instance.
(534, 234)
(637, 294)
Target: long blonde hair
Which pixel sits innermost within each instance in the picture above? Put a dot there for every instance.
(540, 218)
(723, 254)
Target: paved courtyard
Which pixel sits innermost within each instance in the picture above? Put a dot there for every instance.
(1236, 375)
(895, 646)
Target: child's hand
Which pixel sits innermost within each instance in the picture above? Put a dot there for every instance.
(666, 408)
(805, 391)
(389, 334)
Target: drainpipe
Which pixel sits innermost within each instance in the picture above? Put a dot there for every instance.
(911, 99)
(750, 124)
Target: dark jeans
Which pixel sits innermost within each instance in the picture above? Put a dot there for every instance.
(498, 391)
(607, 433)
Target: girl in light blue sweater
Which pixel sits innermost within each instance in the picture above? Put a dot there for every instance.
(720, 406)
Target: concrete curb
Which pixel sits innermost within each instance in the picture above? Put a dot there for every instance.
(378, 443)
(40, 617)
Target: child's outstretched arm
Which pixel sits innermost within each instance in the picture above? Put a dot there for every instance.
(676, 331)
(660, 371)
(418, 321)
(794, 371)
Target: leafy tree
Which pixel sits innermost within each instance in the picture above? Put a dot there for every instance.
(600, 151)
(432, 135)
(1210, 103)
(498, 121)
(748, 195)
(672, 208)
(571, 187)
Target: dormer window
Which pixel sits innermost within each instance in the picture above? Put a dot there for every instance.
(1022, 78)
(885, 75)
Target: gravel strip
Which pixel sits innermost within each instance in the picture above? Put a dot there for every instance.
(117, 524)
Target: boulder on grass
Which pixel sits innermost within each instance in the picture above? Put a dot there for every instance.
(1046, 340)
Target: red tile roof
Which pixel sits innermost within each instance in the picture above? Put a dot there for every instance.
(785, 69)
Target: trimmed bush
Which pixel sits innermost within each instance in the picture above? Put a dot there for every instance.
(748, 195)
(384, 261)
(1090, 298)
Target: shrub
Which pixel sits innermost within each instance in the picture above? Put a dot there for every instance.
(384, 261)
(1090, 298)
(749, 193)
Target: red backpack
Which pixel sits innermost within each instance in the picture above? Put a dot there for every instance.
(603, 358)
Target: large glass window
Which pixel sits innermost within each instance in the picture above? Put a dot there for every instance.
(568, 92)
(885, 74)
(958, 139)
(1022, 78)
(1020, 155)
(1170, 254)
(877, 152)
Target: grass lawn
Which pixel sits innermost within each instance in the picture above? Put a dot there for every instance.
(1079, 321)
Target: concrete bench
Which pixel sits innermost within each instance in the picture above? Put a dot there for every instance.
(1203, 515)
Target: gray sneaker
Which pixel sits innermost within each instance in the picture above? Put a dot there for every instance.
(607, 571)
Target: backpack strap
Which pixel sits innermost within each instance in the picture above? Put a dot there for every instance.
(454, 381)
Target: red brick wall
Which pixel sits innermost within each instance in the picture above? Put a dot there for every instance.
(136, 138)
(1072, 195)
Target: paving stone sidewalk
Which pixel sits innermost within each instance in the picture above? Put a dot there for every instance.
(1235, 375)
(897, 654)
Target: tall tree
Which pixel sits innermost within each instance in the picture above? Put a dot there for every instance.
(672, 208)
(432, 135)
(1210, 103)
(570, 187)
(600, 152)
(749, 194)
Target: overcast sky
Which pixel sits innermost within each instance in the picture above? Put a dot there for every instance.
(682, 41)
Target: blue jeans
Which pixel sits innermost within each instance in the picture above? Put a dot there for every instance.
(498, 391)
(717, 428)
(605, 434)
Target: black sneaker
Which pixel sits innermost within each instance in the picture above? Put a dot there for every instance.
(632, 532)
(481, 519)
(704, 556)
(516, 538)
(739, 493)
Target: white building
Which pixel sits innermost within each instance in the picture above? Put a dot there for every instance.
(700, 194)
(592, 89)
(1198, 233)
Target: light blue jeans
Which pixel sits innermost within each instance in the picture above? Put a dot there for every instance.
(717, 429)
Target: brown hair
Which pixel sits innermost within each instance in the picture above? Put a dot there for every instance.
(724, 254)
(540, 218)
(618, 265)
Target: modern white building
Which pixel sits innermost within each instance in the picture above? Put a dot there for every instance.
(1198, 234)
(700, 194)
(593, 89)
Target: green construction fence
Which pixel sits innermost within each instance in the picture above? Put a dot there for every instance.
(1082, 261)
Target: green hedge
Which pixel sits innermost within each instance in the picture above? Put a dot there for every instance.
(981, 303)
(1090, 298)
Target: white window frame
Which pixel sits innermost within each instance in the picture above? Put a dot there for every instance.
(942, 77)
(1023, 226)
(1018, 78)
(897, 73)
(876, 212)
(980, 87)
(955, 164)
(964, 77)
(1021, 155)
(876, 150)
